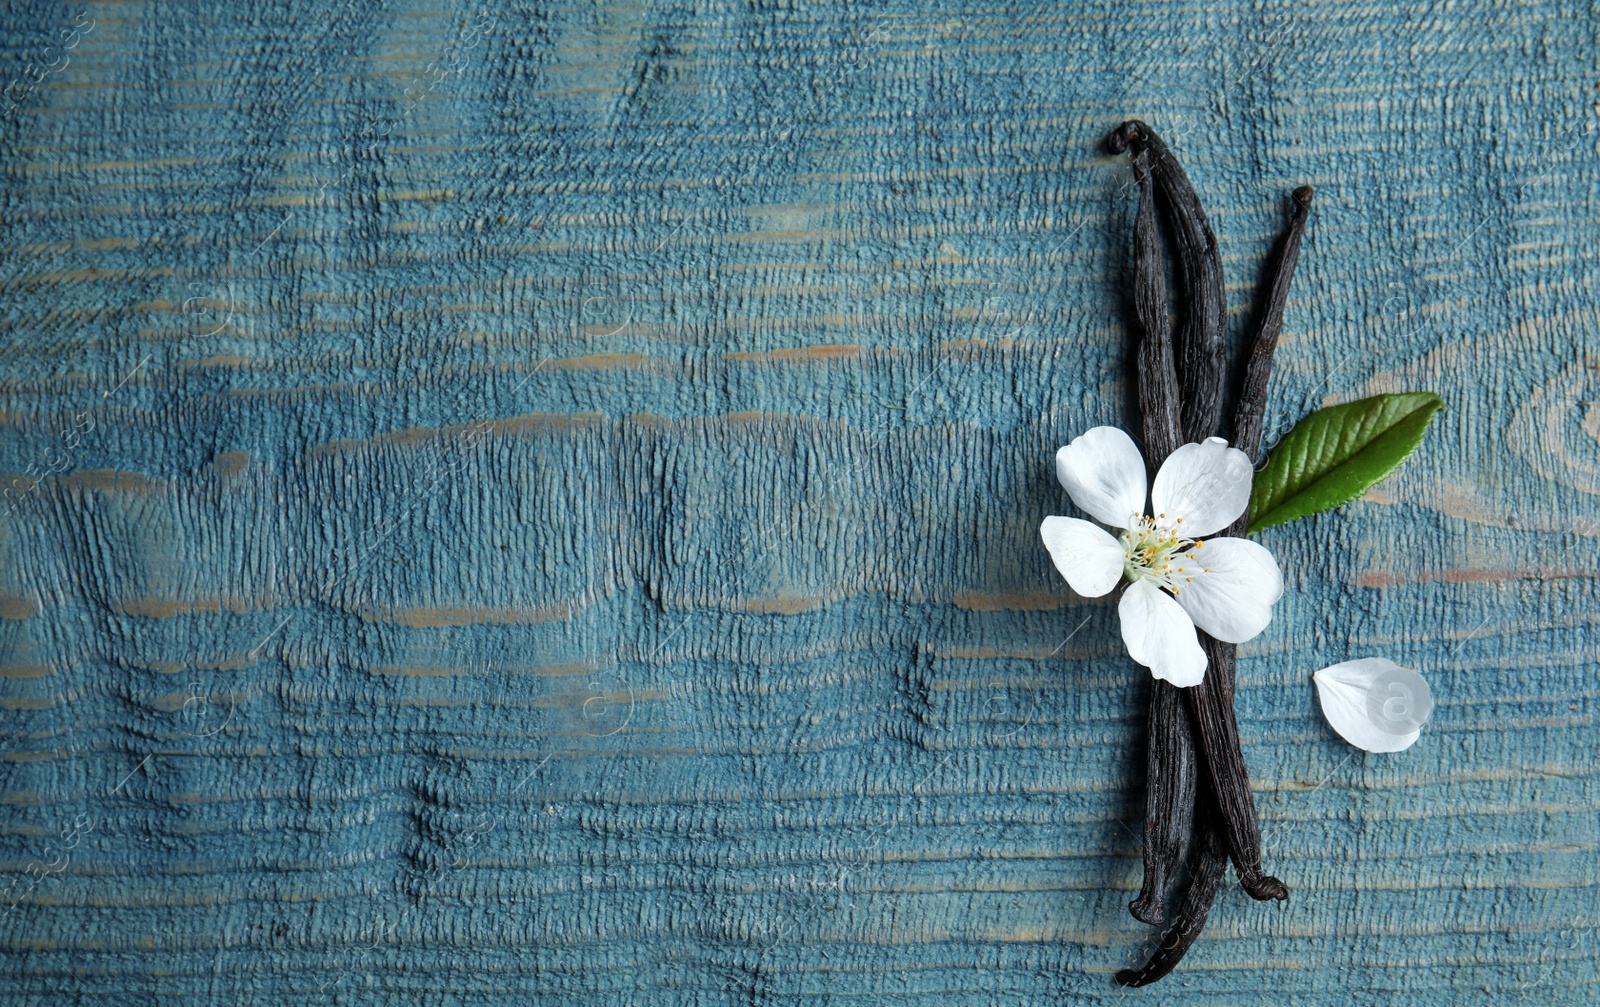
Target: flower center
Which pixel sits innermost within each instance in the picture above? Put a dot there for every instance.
(1158, 553)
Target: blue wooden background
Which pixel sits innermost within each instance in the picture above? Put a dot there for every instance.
(539, 504)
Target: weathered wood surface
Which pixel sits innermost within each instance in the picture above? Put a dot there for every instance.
(566, 532)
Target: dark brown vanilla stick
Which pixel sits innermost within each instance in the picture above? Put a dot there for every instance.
(1244, 832)
(1199, 268)
(1158, 379)
(1171, 772)
(1217, 732)
(1252, 406)
(1211, 863)
(1201, 336)
(1199, 372)
(1170, 767)
(1210, 857)
(1227, 825)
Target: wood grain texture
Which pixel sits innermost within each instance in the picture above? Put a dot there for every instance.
(561, 526)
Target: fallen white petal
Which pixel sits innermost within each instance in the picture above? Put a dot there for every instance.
(1160, 635)
(1207, 485)
(1347, 694)
(1231, 587)
(1103, 472)
(1086, 554)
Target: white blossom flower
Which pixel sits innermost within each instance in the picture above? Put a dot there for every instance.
(1177, 578)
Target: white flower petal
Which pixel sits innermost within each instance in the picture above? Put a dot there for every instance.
(1160, 636)
(1356, 694)
(1104, 474)
(1085, 553)
(1232, 587)
(1207, 485)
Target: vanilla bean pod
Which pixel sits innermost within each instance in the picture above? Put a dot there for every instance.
(1212, 850)
(1245, 830)
(1171, 772)
(1200, 378)
(1210, 864)
(1159, 406)
(1171, 777)
(1217, 730)
(1181, 400)
(1170, 768)
(1252, 406)
(1201, 335)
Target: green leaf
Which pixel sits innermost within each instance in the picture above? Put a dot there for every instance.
(1338, 453)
